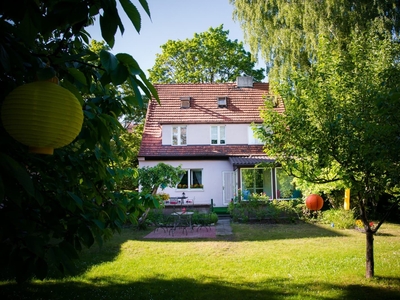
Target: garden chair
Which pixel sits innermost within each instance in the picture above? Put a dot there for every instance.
(165, 222)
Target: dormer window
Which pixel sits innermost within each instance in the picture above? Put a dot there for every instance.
(185, 102)
(222, 102)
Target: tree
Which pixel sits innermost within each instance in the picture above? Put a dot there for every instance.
(345, 118)
(336, 66)
(52, 206)
(206, 58)
(286, 32)
(161, 175)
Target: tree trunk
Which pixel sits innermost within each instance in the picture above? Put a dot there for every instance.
(369, 267)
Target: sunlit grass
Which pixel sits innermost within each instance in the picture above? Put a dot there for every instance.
(263, 261)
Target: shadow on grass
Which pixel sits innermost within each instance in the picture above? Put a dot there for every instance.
(156, 288)
(262, 232)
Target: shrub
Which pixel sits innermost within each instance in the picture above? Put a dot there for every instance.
(257, 209)
(340, 218)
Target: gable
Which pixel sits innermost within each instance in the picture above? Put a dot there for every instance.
(224, 103)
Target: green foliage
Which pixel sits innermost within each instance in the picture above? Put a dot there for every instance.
(272, 211)
(286, 33)
(206, 58)
(339, 218)
(151, 178)
(336, 66)
(53, 206)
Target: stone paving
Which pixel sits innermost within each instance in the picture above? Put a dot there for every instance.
(223, 226)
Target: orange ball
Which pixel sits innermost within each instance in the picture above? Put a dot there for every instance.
(314, 202)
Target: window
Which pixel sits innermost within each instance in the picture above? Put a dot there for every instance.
(222, 102)
(256, 181)
(218, 135)
(192, 179)
(178, 135)
(185, 102)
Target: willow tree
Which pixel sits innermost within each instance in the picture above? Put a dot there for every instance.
(336, 66)
(206, 58)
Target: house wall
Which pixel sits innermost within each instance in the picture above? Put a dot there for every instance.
(200, 134)
(212, 179)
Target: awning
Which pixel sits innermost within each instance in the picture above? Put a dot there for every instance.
(249, 161)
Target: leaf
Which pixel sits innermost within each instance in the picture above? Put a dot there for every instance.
(138, 96)
(145, 7)
(77, 200)
(18, 172)
(73, 89)
(132, 13)
(86, 235)
(35, 244)
(99, 224)
(78, 75)
(69, 250)
(150, 87)
(119, 75)
(46, 73)
(108, 28)
(108, 60)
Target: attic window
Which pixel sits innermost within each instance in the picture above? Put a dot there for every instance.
(185, 102)
(222, 102)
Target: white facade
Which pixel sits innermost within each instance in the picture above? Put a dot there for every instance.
(200, 134)
(212, 180)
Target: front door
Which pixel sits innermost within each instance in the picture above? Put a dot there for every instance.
(228, 186)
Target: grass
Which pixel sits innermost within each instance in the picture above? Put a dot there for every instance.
(260, 261)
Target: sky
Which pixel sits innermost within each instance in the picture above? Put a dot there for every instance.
(170, 20)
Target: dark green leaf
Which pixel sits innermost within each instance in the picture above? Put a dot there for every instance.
(86, 236)
(108, 27)
(150, 87)
(99, 224)
(69, 250)
(119, 75)
(133, 84)
(18, 172)
(46, 73)
(132, 13)
(78, 75)
(108, 61)
(145, 7)
(77, 200)
(35, 244)
(73, 89)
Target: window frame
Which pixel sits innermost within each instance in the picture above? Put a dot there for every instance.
(178, 135)
(190, 184)
(219, 133)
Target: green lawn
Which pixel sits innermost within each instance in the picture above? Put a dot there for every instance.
(263, 261)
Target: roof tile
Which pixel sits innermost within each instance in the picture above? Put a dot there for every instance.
(243, 106)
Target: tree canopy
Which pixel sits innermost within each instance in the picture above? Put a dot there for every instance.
(206, 58)
(53, 205)
(286, 32)
(336, 66)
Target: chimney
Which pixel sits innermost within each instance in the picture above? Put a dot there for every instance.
(244, 82)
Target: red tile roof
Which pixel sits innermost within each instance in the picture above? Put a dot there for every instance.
(243, 107)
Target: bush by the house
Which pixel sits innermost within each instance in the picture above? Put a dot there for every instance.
(259, 208)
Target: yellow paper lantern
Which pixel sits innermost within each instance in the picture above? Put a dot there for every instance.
(42, 115)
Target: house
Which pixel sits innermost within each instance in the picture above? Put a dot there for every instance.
(206, 129)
